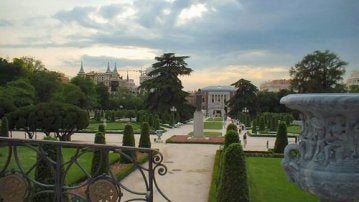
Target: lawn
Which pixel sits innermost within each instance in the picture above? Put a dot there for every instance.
(215, 119)
(294, 129)
(93, 126)
(218, 125)
(268, 182)
(27, 158)
(208, 134)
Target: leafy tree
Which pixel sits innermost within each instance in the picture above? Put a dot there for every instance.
(281, 140)
(103, 96)
(354, 89)
(164, 88)
(71, 94)
(233, 185)
(88, 87)
(245, 97)
(9, 71)
(4, 130)
(145, 136)
(128, 139)
(232, 126)
(21, 91)
(100, 161)
(6, 103)
(318, 72)
(62, 119)
(46, 84)
(29, 65)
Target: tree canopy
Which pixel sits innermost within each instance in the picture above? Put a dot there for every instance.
(318, 72)
(164, 88)
(245, 97)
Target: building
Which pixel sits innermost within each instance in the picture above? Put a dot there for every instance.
(111, 79)
(353, 79)
(215, 98)
(275, 85)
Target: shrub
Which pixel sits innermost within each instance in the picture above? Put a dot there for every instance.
(231, 137)
(45, 170)
(281, 140)
(100, 158)
(145, 136)
(4, 130)
(128, 140)
(254, 127)
(261, 124)
(233, 185)
(232, 126)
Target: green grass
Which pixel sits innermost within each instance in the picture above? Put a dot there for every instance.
(294, 129)
(208, 134)
(27, 158)
(215, 119)
(268, 182)
(93, 126)
(213, 125)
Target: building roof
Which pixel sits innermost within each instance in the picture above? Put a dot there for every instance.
(219, 89)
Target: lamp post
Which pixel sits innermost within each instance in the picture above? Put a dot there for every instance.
(173, 111)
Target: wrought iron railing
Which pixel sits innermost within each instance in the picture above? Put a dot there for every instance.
(19, 177)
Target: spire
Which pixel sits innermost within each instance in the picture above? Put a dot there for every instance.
(127, 76)
(81, 72)
(115, 69)
(108, 68)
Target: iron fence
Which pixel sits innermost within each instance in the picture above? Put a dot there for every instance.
(38, 170)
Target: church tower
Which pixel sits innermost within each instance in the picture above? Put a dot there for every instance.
(108, 68)
(81, 72)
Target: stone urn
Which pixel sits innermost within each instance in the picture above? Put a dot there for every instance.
(325, 161)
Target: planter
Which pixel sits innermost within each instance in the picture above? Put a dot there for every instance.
(325, 161)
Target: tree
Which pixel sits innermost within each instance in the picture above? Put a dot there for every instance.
(281, 140)
(9, 71)
(254, 127)
(46, 84)
(88, 87)
(4, 130)
(103, 96)
(145, 136)
(71, 94)
(245, 97)
(62, 119)
(233, 185)
(21, 91)
(318, 72)
(164, 88)
(128, 139)
(354, 89)
(6, 103)
(100, 161)
(232, 126)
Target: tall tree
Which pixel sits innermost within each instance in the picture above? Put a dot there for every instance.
(103, 96)
(88, 87)
(46, 84)
(9, 71)
(164, 88)
(245, 97)
(318, 72)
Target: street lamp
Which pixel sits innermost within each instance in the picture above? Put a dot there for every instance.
(173, 110)
(245, 110)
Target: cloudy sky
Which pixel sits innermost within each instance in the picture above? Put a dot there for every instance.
(226, 40)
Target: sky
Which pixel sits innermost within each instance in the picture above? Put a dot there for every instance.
(258, 40)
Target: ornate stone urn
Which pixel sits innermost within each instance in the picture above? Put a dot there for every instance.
(325, 161)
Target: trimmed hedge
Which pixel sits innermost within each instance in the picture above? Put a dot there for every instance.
(282, 139)
(100, 161)
(145, 136)
(128, 139)
(4, 130)
(232, 126)
(231, 137)
(233, 185)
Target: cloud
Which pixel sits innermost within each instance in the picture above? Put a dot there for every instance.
(195, 11)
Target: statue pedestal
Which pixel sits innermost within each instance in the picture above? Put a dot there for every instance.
(198, 124)
(326, 159)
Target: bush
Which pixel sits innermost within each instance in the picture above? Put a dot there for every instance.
(4, 130)
(254, 127)
(128, 140)
(100, 158)
(231, 137)
(232, 126)
(281, 140)
(45, 170)
(145, 136)
(233, 185)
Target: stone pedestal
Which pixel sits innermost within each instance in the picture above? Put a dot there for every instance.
(326, 159)
(198, 124)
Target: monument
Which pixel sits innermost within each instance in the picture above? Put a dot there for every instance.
(198, 117)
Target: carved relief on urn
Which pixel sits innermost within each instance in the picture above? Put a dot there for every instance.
(326, 159)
